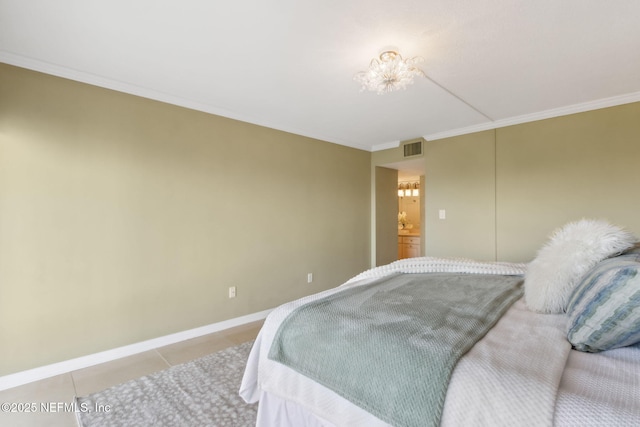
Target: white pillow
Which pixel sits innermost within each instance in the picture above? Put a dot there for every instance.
(570, 252)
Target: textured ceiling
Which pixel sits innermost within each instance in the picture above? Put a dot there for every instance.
(289, 64)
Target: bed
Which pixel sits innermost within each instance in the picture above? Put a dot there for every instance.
(371, 352)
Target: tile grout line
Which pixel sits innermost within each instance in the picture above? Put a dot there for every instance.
(73, 381)
(163, 358)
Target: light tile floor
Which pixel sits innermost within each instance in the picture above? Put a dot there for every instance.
(59, 391)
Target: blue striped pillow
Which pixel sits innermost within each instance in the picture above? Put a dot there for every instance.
(604, 310)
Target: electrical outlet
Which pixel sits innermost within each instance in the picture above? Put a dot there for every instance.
(309, 277)
(232, 292)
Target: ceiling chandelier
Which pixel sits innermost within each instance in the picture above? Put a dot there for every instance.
(389, 73)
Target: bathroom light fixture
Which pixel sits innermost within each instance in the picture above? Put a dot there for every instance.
(408, 189)
(389, 73)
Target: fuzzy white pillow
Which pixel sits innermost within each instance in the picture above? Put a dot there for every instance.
(570, 252)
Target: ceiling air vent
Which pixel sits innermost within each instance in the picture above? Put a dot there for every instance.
(413, 148)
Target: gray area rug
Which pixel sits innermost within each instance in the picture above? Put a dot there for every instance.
(203, 392)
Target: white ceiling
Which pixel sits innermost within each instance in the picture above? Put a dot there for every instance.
(288, 64)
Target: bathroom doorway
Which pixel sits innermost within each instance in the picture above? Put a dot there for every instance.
(410, 207)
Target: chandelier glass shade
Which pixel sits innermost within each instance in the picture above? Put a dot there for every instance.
(388, 73)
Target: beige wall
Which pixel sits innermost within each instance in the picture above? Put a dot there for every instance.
(460, 180)
(124, 219)
(506, 190)
(563, 169)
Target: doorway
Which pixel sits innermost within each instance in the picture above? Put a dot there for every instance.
(405, 214)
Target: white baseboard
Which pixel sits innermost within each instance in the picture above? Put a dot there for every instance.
(36, 374)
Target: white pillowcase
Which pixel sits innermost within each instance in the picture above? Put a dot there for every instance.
(570, 252)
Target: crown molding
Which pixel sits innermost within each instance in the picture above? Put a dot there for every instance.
(95, 80)
(541, 115)
(143, 92)
(385, 146)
